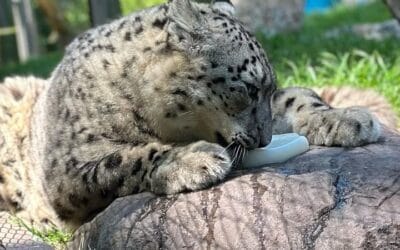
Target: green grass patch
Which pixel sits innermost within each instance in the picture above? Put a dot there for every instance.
(356, 68)
(308, 58)
(129, 6)
(305, 58)
(344, 15)
(41, 66)
(54, 237)
(311, 40)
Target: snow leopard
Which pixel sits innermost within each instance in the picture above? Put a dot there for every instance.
(165, 100)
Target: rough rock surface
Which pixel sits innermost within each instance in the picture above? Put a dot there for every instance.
(272, 16)
(328, 198)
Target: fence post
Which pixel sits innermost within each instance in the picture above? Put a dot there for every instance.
(102, 11)
(394, 6)
(8, 49)
(26, 30)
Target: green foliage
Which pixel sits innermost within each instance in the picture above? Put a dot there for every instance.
(356, 68)
(311, 40)
(309, 58)
(345, 15)
(129, 6)
(54, 237)
(76, 13)
(41, 66)
(305, 58)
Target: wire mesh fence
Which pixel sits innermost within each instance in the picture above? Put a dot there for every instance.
(14, 236)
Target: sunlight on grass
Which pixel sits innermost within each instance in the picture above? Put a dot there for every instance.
(40, 66)
(356, 68)
(347, 15)
(305, 58)
(308, 58)
(128, 6)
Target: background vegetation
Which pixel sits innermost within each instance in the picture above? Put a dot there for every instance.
(305, 58)
(309, 58)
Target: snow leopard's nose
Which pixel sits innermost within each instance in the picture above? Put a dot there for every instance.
(265, 136)
(264, 142)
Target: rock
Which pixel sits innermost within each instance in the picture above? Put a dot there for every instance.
(270, 17)
(327, 198)
(369, 31)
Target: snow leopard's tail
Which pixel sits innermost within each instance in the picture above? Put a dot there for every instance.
(21, 191)
(17, 98)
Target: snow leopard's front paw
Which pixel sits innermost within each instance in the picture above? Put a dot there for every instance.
(194, 167)
(348, 127)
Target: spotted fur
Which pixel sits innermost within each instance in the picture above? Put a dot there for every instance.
(164, 100)
(302, 111)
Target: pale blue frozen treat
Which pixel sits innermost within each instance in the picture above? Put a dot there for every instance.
(282, 148)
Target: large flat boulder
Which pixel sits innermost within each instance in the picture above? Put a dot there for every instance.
(327, 198)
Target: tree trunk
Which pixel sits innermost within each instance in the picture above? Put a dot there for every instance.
(25, 24)
(8, 50)
(394, 6)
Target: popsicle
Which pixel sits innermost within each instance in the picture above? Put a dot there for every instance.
(282, 148)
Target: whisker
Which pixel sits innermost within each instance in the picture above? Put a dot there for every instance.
(226, 148)
(232, 161)
(246, 152)
(235, 155)
(239, 153)
(242, 153)
(185, 113)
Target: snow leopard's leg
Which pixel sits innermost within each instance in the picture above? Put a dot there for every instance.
(302, 111)
(129, 169)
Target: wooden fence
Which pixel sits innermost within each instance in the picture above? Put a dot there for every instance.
(18, 30)
(24, 27)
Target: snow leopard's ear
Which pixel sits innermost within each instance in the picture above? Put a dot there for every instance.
(223, 6)
(185, 15)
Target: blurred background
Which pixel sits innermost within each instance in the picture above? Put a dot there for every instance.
(311, 43)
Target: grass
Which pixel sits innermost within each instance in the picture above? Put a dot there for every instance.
(356, 68)
(54, 237)
(128, 6)
(41, 66)
(308, 58)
